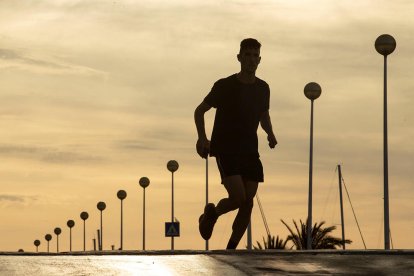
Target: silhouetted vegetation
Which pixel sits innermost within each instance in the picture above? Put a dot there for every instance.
(321, 238)
(271, 242)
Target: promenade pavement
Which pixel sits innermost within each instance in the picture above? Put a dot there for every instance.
(215, 262)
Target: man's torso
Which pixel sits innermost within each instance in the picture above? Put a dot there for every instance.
(239, 108)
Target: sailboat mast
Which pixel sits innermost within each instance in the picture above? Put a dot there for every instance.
(341, 205)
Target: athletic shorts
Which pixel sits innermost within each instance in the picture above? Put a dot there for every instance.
(248, 166)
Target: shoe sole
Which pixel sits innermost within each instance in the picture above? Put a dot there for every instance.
(206, 221)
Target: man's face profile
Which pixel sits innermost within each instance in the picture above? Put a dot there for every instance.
(249, 59)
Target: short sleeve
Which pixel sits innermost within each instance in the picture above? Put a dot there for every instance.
(212, 98)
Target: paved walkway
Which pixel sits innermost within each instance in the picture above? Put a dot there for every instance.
(240, 262)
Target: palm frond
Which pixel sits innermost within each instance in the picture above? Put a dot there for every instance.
(321, 236)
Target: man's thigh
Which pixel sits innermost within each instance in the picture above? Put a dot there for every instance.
(235, 187)
(250, 188)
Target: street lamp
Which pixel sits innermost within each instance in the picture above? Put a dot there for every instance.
(70, 223)
(48, 237)
(144, 183)
(57, 232)
(101, 206)
(37, 243)
(207, 191)
(84, 216)
(172, 166)
(385, 45)
(312, 92)
(121, 195)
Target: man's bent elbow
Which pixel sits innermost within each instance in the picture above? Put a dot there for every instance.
(201, 109)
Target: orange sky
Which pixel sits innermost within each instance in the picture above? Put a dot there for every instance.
(96, 94)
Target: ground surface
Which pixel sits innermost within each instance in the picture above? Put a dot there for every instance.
(241, 262)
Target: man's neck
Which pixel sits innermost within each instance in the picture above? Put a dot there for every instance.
(245, 77)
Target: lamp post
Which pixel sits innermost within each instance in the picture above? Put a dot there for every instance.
(122, 195)
(48, 237)
(144, 183)
(70, 223)
(172, 166)
(37, 243)
(385, 45)
(57, 232)
(207, 245)
(84, 216)
(312, 91)
(101, 206)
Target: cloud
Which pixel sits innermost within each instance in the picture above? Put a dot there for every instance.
(7, 198)
(134, 145)
(46, 154)
(8, 54)
(12, 198)
(23, 61)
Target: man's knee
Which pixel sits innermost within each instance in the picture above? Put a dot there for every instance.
(237, 202)
(247, 204)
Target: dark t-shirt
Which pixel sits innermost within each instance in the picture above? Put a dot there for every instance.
(239, 108)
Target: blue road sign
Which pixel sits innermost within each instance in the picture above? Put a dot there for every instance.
(172, 229)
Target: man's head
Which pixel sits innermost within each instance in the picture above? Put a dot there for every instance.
(249, 43)
(249, 55)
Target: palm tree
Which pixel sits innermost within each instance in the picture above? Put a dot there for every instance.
(272, 242)
(321, 238)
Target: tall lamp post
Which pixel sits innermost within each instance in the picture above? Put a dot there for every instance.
(385, 45)
(312, 92)
(70, 223)
(37, 243)
(122, 195)
(144, 183)
(57, 232)
(84, 216)
(172, 166)
(101, 206)
(48, 237)
(207, 244)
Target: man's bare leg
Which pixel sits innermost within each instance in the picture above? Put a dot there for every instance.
(236, 189)
(242, 219)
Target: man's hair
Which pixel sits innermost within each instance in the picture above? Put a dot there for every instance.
(249, 43)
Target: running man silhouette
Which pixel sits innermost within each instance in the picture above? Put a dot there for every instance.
(241, 101)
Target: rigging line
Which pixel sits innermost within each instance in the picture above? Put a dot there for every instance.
(263, 215)
(329, 194)
(392, 243)
(352, 207)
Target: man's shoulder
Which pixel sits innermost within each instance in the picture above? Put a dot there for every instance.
(261, 82)
(227, 80)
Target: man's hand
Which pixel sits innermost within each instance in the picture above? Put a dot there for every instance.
(203, 147)
(272, 140)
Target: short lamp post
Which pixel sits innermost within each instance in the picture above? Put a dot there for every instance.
(48, 238)
(57, 232)
(172, 166)
(144, 183)
(312, 92)
(70, 223)
(101, 206)
(37, 243)
(122, 195)
(385, 45)
(84, 216)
